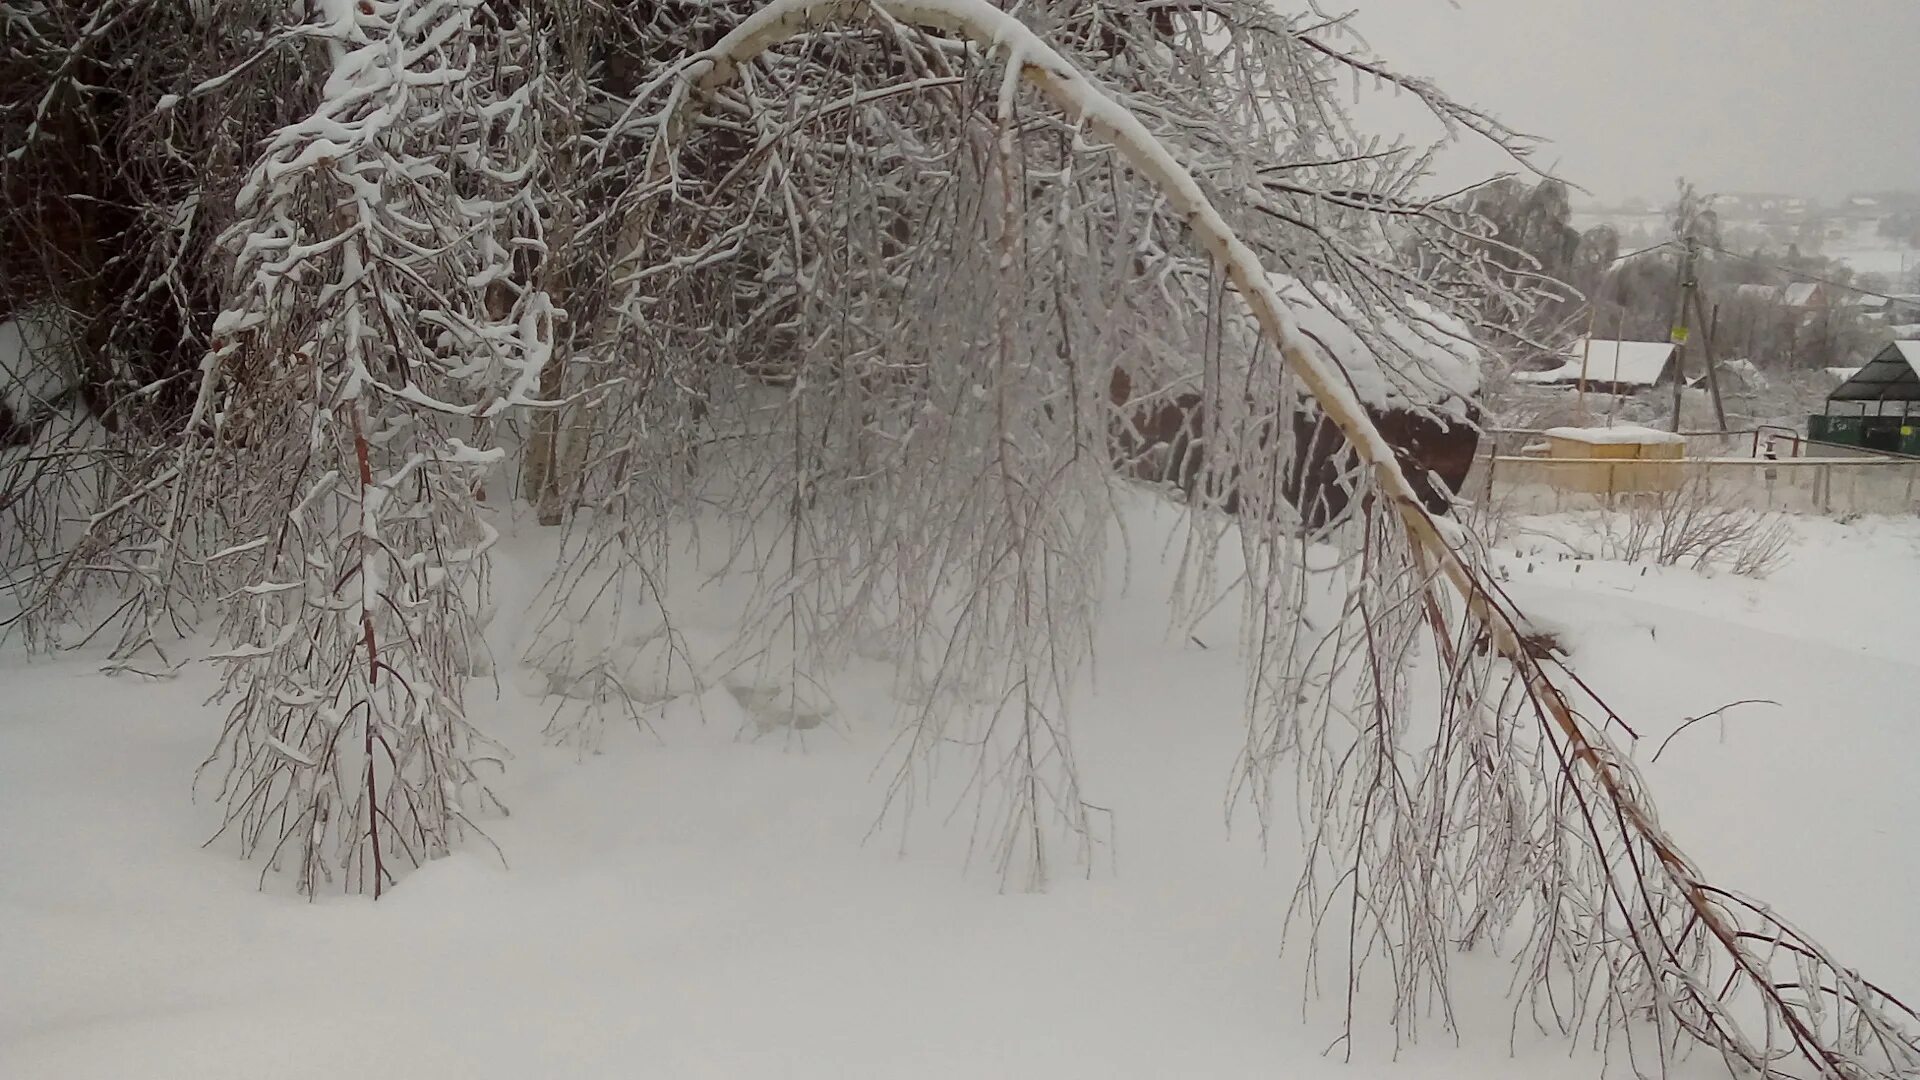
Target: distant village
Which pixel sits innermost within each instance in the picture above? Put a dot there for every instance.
(1875, 233)
(1799, 309)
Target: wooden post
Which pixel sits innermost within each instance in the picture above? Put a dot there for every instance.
(1586, 349)
(1713, 375)
(1679, 334)
(1619, 331)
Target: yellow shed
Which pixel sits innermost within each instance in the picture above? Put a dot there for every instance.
(1615, 460)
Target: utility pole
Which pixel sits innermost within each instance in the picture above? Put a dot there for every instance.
(1679, 334)
(1586, 349)
(1712, 326)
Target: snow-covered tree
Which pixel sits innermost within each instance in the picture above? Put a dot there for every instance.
(858, 279)
(375, 325)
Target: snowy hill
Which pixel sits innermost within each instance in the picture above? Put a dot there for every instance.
(698, 900)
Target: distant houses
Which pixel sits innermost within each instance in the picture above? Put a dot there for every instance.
(1806, 295)
(1802, 296)
(1799, 295)
(1608, 367)
(1761, 206)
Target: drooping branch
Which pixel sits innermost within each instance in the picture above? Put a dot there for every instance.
(782, 299)
(1870, 1038)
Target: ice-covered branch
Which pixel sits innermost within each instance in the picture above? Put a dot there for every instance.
(1676, 926)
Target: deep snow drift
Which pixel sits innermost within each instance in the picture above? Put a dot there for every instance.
(697, 899)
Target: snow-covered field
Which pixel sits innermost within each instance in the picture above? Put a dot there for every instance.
(696, 901)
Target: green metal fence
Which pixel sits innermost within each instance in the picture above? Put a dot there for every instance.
(1893, 434)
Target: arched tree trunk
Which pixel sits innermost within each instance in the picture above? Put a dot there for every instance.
(1670, 911)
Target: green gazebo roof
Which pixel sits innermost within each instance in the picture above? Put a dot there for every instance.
(1889, 376)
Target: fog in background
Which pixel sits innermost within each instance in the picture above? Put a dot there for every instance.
(1796, 96)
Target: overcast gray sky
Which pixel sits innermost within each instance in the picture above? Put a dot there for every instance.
(1820, 97)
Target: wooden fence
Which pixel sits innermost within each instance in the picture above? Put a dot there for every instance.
(1831, 481)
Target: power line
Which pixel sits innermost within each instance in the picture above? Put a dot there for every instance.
(1618, 259)
(1802, 274)
(1808, 277)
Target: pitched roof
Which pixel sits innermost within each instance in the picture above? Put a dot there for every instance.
(1627, 363)
(1892, 375)
(1800, 293)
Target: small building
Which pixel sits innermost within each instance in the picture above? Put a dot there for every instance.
(1609, 367)
(1619, 460)
(1805, 294)
(1869, 307)
(1873, 408)
(1736, 376)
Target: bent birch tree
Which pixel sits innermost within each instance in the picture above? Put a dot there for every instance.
(850, 277)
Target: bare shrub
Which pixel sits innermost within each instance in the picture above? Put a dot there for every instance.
(1695, 526)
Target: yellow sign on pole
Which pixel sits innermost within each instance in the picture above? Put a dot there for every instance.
(1678, 336)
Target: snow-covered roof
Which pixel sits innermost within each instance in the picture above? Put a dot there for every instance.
(1740, 374)
(1756, 292)
(1800, 293)
(1431, 364)
(1626, 363)
(1618, 435)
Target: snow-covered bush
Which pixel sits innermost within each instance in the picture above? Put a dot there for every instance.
(375, 312)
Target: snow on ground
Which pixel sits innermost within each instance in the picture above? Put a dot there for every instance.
(1810, 804)
(30, 379)
(698, 902)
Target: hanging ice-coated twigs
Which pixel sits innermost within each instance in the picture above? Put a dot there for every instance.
(375, 278)
(1611, 912)
(858, 285)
